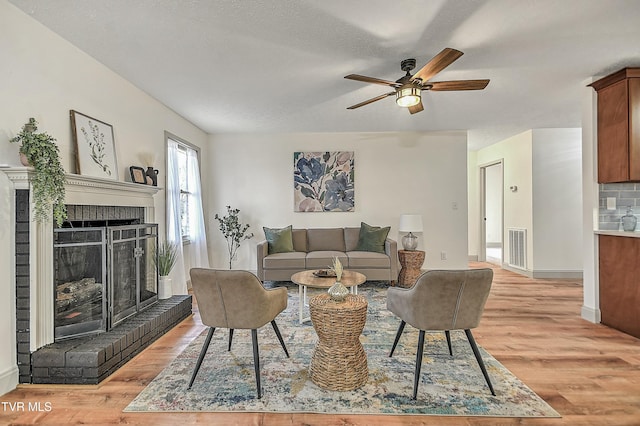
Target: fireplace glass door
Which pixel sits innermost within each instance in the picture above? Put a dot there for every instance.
(80, 281)
(133, 277)
(102, 275)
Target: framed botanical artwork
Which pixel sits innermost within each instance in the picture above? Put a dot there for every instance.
(323, 181)
(95, 146)
(138, 175)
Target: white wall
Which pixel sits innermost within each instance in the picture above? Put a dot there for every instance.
(395, 173)
(517, 170)
(590, 281)
(473, 200)
(557, 201)
(43, 76)
(545, 165)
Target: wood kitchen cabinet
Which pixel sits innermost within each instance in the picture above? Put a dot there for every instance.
(619, 126)
(620, 283)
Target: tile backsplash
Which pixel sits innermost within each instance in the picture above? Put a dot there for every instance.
(626, 194)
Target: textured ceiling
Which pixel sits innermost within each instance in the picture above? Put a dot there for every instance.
(278, 65)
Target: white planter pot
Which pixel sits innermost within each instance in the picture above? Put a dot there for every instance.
(164, 288)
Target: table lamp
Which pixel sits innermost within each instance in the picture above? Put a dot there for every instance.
(410, 223)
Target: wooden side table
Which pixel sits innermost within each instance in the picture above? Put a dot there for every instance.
(411, 262)
(339, 361)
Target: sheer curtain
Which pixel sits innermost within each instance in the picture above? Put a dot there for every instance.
(198, 249)
(174, 234)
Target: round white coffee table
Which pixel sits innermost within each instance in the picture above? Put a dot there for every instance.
(304, 279)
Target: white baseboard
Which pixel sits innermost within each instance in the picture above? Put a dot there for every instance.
(558, 274)
(517, 270)
(542, 274)
(590, 314)
(473, 258)
(8, 379)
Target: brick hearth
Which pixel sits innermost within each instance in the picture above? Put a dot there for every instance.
(91, 359)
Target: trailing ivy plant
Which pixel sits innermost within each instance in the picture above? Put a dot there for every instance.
(233, 231)
(49, 176)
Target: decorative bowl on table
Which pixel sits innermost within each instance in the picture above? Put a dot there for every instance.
(324, 273)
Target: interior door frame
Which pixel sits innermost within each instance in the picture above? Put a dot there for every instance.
(482, 250)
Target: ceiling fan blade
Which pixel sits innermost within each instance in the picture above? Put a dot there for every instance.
(416, 108)
(371, 80)
(458, 85)
(377, 98)
(437, 64)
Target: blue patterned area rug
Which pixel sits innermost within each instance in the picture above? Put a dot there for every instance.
(450, 386)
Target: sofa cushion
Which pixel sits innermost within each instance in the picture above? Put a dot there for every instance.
(368, 259)
(325, 239)
(351, 236)
(372, 238)
(292, 260)
(323, 259)
(279, 240)
(299, 239)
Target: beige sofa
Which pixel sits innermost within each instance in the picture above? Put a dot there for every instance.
(316, 248)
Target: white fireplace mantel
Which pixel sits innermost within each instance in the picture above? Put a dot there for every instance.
(79, 190)
(90, 190)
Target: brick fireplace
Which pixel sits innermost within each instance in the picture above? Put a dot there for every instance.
(89, 358)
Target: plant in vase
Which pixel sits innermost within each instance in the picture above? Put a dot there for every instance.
(41, 152)
(233, 231)
(338, 291)
(164, 259)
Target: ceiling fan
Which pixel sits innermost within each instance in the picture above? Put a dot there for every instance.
(408, 88)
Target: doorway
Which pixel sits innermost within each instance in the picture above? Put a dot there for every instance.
(492, 213)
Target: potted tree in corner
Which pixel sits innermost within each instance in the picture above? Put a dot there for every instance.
(233, 231)
(164, 260)
(40, 151)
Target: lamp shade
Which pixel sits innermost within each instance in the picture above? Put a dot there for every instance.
(410, 223)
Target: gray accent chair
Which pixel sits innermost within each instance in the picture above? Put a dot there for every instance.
(442, 300)
(236, 300)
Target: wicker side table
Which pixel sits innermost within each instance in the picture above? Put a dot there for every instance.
(339, 361)
(411, 262)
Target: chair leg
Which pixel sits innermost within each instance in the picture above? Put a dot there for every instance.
(395, 342)
(277, 330)
(416, 379)
(230, 338)
(446, 333)
(476, 352)
(256, 359)
(203, 352)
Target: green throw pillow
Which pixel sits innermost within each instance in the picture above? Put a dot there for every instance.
(372, 238)
(279, 240)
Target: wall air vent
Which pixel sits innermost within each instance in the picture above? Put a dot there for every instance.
(517, 247)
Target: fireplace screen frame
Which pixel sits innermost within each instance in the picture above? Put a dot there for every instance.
(97, 325)
(139, 235)
(142, 240)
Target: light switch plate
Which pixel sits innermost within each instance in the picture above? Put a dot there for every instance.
(611, 203)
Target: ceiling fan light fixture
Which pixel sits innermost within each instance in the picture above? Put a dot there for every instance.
(408, 95)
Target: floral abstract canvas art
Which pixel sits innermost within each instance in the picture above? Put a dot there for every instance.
(323, 181)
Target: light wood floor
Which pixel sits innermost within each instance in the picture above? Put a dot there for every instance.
(589, 373)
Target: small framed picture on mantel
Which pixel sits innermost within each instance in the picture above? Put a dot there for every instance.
(138, 175)
(95, 146)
